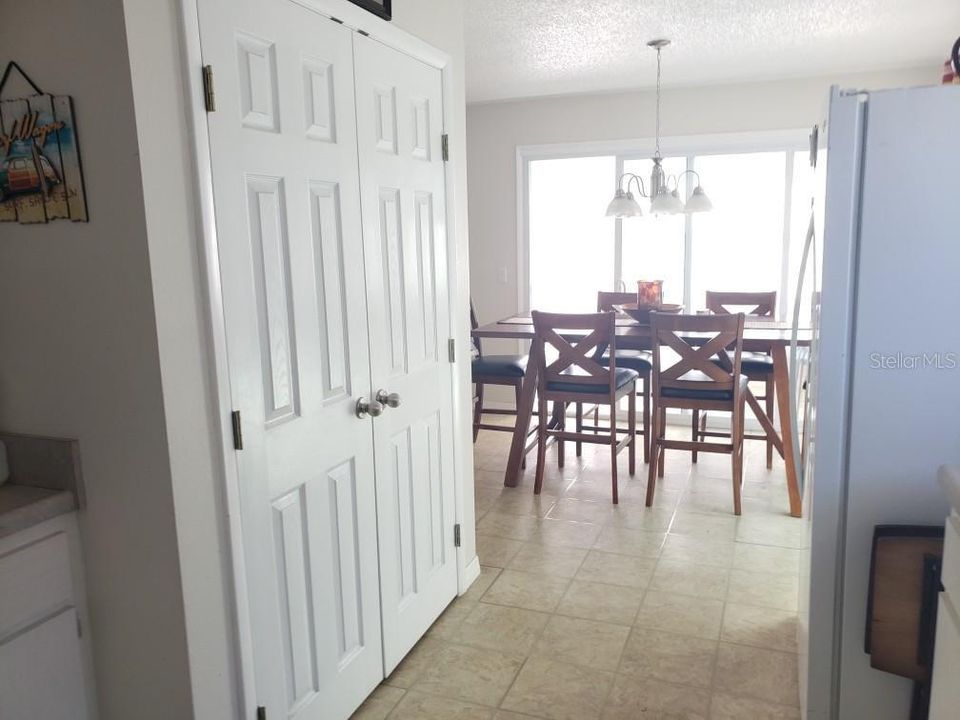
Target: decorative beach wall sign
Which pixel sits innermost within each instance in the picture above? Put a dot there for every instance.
(40, 173)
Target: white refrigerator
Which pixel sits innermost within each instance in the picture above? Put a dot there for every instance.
(884, 370)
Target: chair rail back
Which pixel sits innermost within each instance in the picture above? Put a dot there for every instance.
(473, 326)
(696, 339)
(763, 304)
(606, 300)
(595, 334)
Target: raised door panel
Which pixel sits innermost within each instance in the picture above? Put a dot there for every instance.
(286, 189)
(402, 187)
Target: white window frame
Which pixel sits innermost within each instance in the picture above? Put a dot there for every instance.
(689, 146)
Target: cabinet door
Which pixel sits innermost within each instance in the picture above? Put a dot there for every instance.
(286, 190)
(399, 126)
(41, 672)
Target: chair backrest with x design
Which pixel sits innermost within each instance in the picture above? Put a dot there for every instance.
(606, 299)
(754, 304)
(474, 324)
(578, 341)
(696, 340)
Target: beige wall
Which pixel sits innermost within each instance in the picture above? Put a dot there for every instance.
(494, 130)
(79, 358)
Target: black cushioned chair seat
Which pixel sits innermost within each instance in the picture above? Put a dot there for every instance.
(622, 376)
(754, 363)
(693, 393)
(511, 366)
(639, 360)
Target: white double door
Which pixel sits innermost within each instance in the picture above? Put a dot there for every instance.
(330, 211)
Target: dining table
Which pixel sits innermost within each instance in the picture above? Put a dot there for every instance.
(766, 335)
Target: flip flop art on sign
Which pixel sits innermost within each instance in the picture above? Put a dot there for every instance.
(40, 172)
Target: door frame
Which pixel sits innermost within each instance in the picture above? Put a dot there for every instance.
(468, 569)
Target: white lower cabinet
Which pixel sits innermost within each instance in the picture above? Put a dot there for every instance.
(41, 672)
(45, 668)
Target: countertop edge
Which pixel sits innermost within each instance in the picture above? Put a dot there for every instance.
(22, 518)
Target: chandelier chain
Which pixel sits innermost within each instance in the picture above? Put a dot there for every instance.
(658, 104)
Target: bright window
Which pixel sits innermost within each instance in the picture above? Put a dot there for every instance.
(751, 241)
(738, 246)
(571, 242)
(653, 247)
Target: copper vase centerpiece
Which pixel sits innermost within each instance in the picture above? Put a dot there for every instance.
(649, 293)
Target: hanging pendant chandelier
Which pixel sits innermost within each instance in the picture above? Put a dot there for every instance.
(664, 192)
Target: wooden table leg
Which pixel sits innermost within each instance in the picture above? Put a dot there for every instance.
(766, 422)
(781, 380)
(528, 391)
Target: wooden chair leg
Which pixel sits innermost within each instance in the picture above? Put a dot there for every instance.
(769, 400)
(477, 411)
(541, 446)
(695, 427)
(579, 445)
(562, 425)
(654, 431)
(661, 460)
(736, 439)
(613, 452)
(632, 430)
(646, 419)
(517, 390)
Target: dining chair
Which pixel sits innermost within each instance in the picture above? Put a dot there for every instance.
(639, 360)
(757, 366)
(505, 370)
(575, 376)
(693, 381)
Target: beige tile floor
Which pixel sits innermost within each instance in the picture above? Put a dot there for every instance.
(588, 611)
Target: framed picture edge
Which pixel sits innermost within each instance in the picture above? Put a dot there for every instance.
(383, 9)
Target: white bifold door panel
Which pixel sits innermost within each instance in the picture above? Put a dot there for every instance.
(399, 116)
(286, 187)
(331, 233)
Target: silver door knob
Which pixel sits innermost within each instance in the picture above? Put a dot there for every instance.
(368, 407)
(388, 399)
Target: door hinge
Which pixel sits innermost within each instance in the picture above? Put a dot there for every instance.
(456, 535)
(445, 147)
(237, 430)
(261, 712)
(209, 98)
(452, 350)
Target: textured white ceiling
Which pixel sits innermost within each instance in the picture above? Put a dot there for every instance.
(520, 48)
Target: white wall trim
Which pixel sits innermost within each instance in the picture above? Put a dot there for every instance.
(795, 138)
(210, 257)
(523, 231)
(395, 37)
